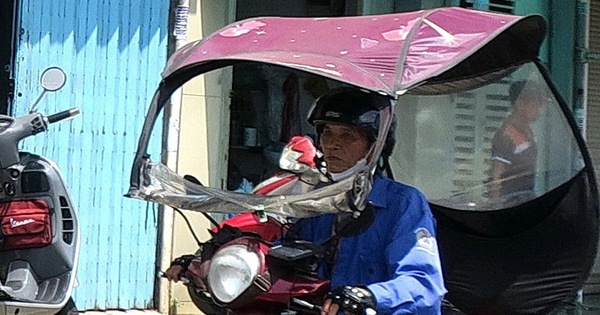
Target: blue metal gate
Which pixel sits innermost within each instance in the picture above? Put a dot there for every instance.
(113, 52)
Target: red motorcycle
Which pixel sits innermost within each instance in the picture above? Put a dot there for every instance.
(247, 274)
(246, 267)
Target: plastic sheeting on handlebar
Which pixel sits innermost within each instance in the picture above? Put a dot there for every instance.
(164, 186)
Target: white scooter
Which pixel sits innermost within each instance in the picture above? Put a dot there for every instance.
(39, 232)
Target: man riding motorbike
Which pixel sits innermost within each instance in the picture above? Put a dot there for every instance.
(386, 260)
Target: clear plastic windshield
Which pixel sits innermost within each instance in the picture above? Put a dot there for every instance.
(231, 141)
(488, 148)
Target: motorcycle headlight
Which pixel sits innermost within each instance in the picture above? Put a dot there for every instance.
(232, 270)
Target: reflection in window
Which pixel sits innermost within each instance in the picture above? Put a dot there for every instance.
(491, 147)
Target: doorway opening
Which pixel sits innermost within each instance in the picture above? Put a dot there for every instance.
(261, 118)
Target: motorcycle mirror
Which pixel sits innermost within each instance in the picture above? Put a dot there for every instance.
(52, 79)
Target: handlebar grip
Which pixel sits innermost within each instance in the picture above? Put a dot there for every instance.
(63, 115)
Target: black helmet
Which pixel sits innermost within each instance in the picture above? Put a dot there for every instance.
(354, 107)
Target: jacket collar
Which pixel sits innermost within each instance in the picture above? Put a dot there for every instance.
(377, 197)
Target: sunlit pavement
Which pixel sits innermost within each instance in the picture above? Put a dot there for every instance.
(120, 312)
(590, 306)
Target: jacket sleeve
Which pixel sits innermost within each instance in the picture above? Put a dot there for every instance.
(416, 284)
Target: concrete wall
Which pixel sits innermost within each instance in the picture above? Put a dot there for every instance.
(202, 127)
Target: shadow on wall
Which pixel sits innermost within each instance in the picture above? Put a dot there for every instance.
(120, 23)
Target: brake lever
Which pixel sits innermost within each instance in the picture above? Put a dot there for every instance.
(307, 305)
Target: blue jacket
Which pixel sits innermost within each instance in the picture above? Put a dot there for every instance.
(396, 258)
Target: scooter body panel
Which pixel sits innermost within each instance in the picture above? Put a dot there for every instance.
(51, 267)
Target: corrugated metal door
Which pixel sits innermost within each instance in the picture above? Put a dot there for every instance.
(113, 52)
(592, 127)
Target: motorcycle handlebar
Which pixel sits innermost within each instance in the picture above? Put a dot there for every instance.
(63, 115)
(184, 279)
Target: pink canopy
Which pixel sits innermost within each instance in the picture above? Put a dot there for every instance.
(387, 53)
(443, 50)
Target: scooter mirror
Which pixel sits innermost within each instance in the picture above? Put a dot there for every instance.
(53, 79)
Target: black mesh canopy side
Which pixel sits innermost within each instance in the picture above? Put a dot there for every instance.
(536, 256)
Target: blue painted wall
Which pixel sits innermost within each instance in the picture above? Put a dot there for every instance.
(113, 52)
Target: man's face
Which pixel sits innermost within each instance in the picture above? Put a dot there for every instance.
(529, 109)
(533, 110)
(343, 146)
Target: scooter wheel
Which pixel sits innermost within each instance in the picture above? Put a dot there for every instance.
(69, 309)
(204, 302)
